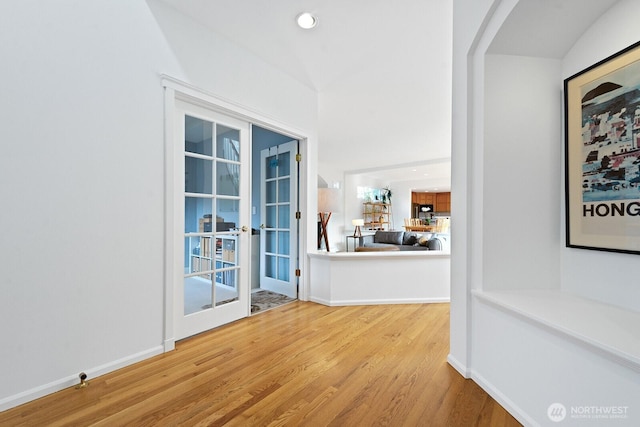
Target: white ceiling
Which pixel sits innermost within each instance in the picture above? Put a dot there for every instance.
(378, 66)
(350, 34)
(430, 176)
(546, 28)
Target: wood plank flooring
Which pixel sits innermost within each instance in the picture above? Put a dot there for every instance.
(301, 364)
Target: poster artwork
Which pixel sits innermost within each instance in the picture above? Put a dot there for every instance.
(602, 154)
(611, 138)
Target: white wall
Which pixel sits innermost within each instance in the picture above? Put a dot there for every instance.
(82, 169)
(363, 278)
(353, 207)
(371, 117)
(468, 17)
(605, 277)
(402, 201)
(401, 198)
(395, 112)
(522, 171)
(528, 368)
(528, 362)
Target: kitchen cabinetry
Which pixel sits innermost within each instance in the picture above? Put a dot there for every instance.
(441, 202)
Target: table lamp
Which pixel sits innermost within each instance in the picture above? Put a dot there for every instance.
(359, 222)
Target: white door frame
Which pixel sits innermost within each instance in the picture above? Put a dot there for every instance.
(174, 90)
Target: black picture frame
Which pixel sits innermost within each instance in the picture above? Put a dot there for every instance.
(602, 154)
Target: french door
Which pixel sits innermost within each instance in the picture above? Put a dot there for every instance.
(212, 285)
(279, 226)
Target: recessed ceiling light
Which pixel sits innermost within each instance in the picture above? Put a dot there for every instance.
(306, 20)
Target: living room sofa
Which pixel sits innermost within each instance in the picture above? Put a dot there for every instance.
(403, 241)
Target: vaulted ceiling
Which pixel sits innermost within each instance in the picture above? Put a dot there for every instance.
(382, 69)
(351, 35)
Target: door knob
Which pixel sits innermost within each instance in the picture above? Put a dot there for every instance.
(262, 226)
(244, 229)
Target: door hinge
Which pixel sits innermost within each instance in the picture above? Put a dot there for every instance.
(298, 157)
(297, 272)
(298, 215)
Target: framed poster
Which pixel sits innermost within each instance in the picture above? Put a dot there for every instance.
(602, 154)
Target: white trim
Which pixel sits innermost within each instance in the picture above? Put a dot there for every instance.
(513, 409)
(344, 303)
(178, 90)
(458, 366)
(169, 218)
(190, 93)
(468, 255)
(70, 381)
(320, 301)
(350, 256)
(169, 345)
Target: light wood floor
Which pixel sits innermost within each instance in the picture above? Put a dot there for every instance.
(302, 364)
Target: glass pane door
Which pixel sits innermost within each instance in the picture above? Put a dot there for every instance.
(212, 280)
(278, 235)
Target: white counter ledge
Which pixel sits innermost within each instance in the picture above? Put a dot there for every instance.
(609, 330)
(364, 278)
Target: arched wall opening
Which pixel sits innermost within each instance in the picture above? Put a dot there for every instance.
(526, 310)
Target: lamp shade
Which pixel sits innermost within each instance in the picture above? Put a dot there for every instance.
(357, 222)
(328, 200)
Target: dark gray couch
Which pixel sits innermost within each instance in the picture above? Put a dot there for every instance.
(405, 241)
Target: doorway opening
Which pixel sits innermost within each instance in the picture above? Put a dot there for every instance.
(214, 208)
(211, 152)
(275, 218)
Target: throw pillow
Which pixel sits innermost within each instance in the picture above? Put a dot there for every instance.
(409, 238)
(435, 244)
(423, 240)
(393, 237)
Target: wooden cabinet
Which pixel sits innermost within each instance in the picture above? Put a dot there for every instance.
(376, 215)
(441, 201)
(423, 198)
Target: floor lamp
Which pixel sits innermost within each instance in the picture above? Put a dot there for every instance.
(328, 202)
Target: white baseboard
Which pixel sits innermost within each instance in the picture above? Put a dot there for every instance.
(460, 367)
(517, 412)
(388, 301)
(169, 345)
(342, 303)
(54, 386)
(320, 301)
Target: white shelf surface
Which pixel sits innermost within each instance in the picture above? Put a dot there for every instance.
(612, 331)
